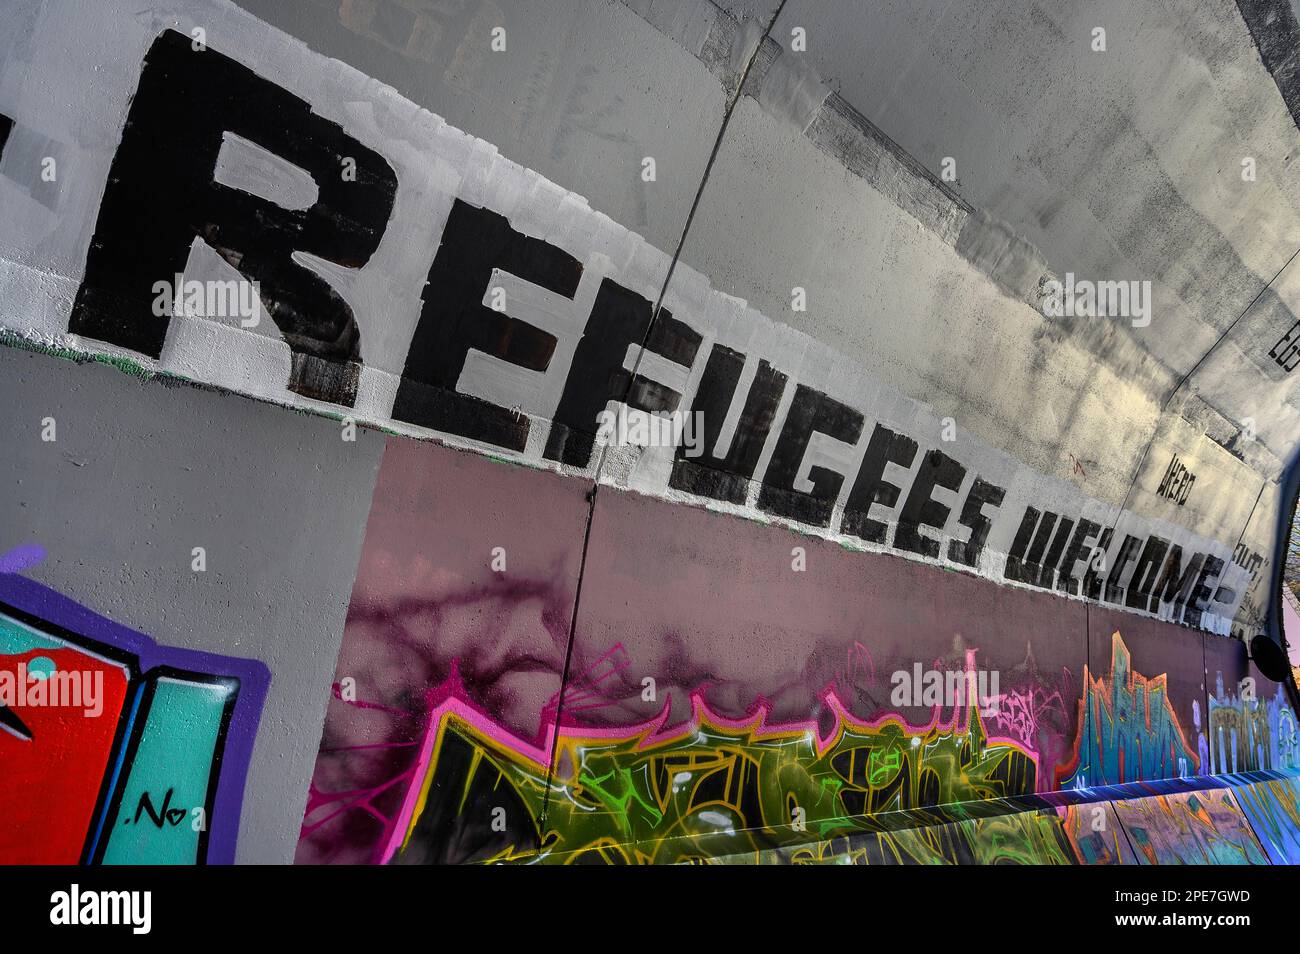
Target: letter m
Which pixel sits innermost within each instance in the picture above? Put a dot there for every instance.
(115, 907)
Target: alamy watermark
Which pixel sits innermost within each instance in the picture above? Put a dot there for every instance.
(41, 685)
(133, 909)
(628, 427)
(947, 688)
(209, 299)
(1088, 299)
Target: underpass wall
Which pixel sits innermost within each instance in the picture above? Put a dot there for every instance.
(500, 635)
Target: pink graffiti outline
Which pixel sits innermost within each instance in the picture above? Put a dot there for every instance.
(586, 689)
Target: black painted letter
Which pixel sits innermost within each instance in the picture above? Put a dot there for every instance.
(161, 195)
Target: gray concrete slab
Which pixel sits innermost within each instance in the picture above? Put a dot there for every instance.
(138, 475)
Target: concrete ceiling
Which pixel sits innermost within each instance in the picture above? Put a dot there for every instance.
(1124, 163)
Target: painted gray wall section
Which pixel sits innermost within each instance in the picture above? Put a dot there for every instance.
(1123, 162)
(584, 92)
(141, 472)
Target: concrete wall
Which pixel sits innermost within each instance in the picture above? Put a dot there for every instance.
(477, 226)
(139, 474)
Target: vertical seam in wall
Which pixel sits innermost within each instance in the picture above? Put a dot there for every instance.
(1205, 712)
(600, 461)
(690, 215)
(1114, 806)
(1231, 792)
(1259, 496)
(1094, 758)
(1242, 536)
(568, 660)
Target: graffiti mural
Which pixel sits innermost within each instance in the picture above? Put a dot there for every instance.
(447, 591)
(117, 750)
(1095, 834)
(1044, 837)
(1128, 729)
(653, 795)
(448, 737)
(1190, 828)
(463, 727)
(726, 791)
(1273, 810)
(453, 736)
(1248, 730)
